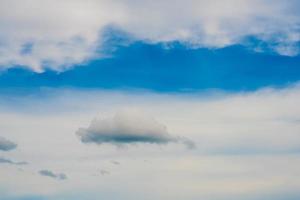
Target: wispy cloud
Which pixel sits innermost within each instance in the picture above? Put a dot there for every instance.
(7, 161)
(58, 176)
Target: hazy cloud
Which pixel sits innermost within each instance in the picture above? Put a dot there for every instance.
(6, 145)
(127, 127)
(58, 176)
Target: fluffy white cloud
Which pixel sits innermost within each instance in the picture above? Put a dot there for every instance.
(58, 34)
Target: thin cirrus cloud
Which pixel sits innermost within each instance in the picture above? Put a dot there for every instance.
(6, 145)
(129, 127)
(31, 37)
(48, 173)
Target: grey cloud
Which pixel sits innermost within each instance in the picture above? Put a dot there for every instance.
(187, 142)
(58, 176)
(7, 161)
(6, 145)
(128, 127)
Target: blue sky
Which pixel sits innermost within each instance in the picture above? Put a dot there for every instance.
(164, 100)
(173, 69)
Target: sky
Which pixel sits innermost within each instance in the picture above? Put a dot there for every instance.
(165, 100)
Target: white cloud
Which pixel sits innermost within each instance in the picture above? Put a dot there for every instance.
(58, 34)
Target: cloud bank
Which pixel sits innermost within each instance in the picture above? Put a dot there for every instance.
(6, 145)
(127, 127)
(58, 176)
(31, 37)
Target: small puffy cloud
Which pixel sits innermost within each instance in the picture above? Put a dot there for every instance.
(6, 145)
(58, 176)
(128, 127)
(7, 161)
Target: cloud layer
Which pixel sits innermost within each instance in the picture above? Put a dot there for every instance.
(6, 145)
(238, 137)
(58, 176)
(30, 35)
(127, 127)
